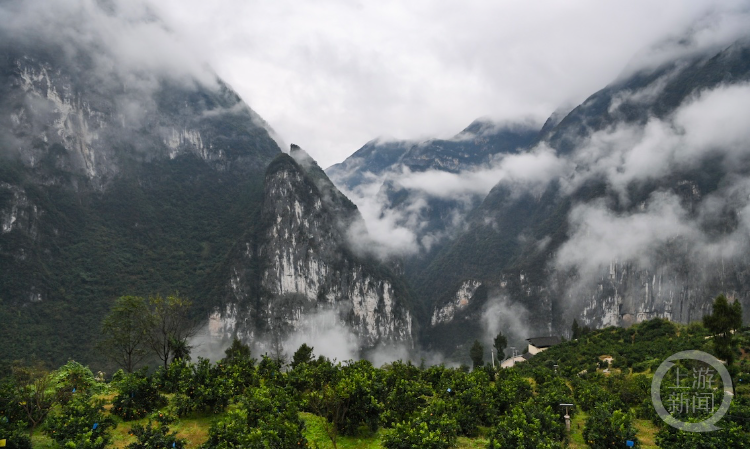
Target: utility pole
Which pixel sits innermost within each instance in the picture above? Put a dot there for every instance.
(567, 416)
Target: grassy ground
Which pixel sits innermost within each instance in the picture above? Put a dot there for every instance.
(576, 430)
(318, 438)
(646, 433)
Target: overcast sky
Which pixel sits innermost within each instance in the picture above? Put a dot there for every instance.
(330, 75)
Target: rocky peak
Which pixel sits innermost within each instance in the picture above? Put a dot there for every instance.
(307, 266)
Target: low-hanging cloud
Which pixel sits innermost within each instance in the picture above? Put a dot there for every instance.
(327, 334)
(600, 235)
(711, 125)
(125, 41)
(524, 170)
(712, 122)
(500, 315)
(399, 231)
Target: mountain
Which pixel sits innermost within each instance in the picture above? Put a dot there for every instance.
(642, 219)
(403, 186)
(469, 149)
(111, 183)
(298, 268)
(128, 167)
(137, 173)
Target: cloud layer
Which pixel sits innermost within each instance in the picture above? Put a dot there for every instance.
(331, 75)
(709, 127)
(124, 40)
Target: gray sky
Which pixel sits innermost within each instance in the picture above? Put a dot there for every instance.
(330, 75)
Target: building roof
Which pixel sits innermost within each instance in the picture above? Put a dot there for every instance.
(544, 342)
(527, 355)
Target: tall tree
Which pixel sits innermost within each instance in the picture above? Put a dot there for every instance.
(477, 354)
(303, 355)
(576, 329)
(237, 351)
(125, 332)
(170, 325)
(722, 322)
(180, 349)
(500, 343)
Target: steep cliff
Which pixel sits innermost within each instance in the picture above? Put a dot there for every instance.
(119, 174)
(644, 217)
(304, 267)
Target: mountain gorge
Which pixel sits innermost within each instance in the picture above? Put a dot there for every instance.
(307, 281)
(629, 207)
(127, 167)
(132, 173)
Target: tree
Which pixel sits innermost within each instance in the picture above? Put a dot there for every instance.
(264, 418)
(349, 402)
(500, 343)
(137, 396)
(730, 434)
(405, 399)
(237, 351)
(180, 349)
(13, 425)
(170, 325)
(327, 403)
(81, 423)
(579, 331)
(240, 366)
(434, 427)
(125, 332)
(155, 437)
(36, 393)
(303, 355)
(477, 354)
(722, 322)
(207, 388)
(527, 426)
(725, 317)
(607, 427)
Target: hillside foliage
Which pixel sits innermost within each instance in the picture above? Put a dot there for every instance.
(243, 402)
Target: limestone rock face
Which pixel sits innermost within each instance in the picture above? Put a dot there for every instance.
(304, 266)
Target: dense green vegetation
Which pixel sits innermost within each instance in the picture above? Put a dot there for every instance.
(314, 402)
(166, 227)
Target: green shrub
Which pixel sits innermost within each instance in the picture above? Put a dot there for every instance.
(81, 422)
(138, 396)
(405, 399)
(175, 378)
(74, 376)
(607, 427)
(509, 389)
(528, 426)
(13, 426)
(435, 427)
(267, 417)
(207, 389)
(159, 437)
